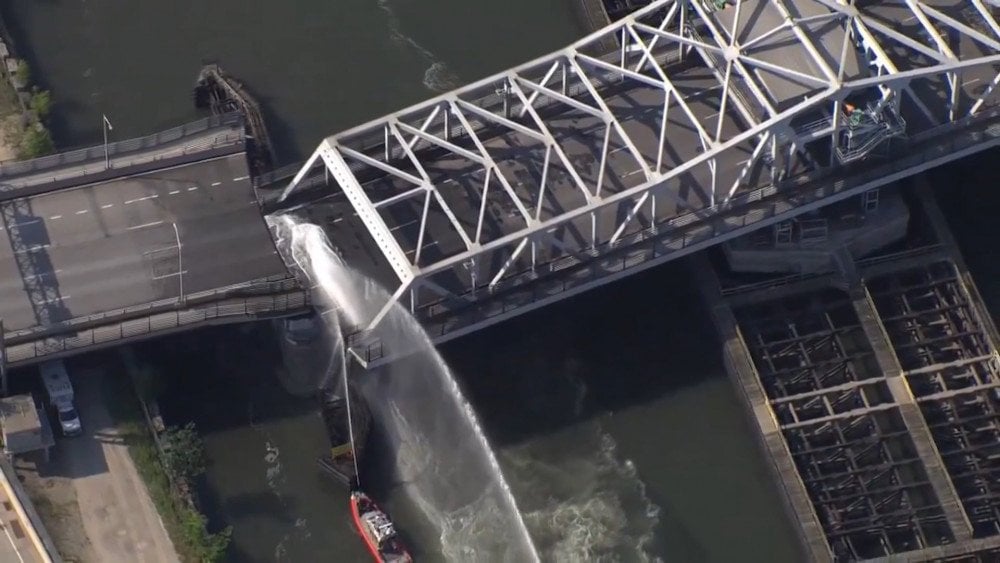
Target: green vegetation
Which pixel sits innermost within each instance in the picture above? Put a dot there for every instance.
(183, 452)
(23, 73)
(187, 527)
(8, 100)
(35, 141)
(24, 132)
(40, 103)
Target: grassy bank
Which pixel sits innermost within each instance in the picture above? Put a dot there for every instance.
(23, 128)
(10, 121)
(186, 526)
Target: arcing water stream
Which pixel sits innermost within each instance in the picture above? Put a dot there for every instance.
(438, 455)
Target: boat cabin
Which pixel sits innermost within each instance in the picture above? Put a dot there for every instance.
(378, 526)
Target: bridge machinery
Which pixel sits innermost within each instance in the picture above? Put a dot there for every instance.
(710, 119)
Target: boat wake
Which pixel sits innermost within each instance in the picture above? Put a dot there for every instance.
(438, 77)
(437, 454)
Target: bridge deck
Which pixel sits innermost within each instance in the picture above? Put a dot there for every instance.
(703, 112)
(98, 248)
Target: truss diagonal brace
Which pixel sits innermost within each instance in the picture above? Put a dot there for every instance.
(611, 119)
(342, 174)
(489, 163)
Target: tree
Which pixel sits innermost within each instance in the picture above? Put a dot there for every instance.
(36, 142)
(41, 103)
(23, 73)
(184, 451)
(208, 547)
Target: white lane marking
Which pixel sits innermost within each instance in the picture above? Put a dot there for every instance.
(216, 184)
(28, 222)
(54, 217)
(175, 192)
(82, 211)
(35, 248)
(42, 275)
(131, 201)
(170, 275)
(144, 225)
(54, 299)
(157, 250)
(192, 188)
(632, 173)
(107, 206)
(339, 219)
(240, 179)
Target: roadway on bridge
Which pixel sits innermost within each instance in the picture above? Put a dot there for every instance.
(99, 248)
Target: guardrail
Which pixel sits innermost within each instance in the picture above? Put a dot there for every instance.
(116, 149)
(265, 287)
(901, 255)
(259, 306)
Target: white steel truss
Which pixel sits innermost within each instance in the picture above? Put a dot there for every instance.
(704, 102)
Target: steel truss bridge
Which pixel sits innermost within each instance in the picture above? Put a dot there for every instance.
(712, 118)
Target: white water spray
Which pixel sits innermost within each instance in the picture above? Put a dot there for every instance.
(440, 458)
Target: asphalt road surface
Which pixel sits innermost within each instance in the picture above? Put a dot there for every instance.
(131, 241)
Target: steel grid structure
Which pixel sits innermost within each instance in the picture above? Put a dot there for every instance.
(953, 370)
(842, 426)
(560, 160)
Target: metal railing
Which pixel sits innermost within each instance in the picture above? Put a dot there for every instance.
(230, 310)
(890, 125)
(898, 256)
(773, 283)
(266, 287)
(268, 178)
(141, 144)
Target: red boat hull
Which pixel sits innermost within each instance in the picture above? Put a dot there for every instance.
(399, 555)
(356, 516)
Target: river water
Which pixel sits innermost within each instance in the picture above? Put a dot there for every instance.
(610, 413)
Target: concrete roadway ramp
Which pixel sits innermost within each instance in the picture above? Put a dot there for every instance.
(168, 238)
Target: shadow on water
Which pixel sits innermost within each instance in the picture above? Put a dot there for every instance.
(610, 349)
(234, 383)
(966, 192)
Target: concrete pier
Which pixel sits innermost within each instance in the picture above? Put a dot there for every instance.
(874, 387)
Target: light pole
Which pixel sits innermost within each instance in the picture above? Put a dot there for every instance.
(180, 263)
(105, 127)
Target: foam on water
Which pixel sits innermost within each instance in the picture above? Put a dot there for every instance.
(440, 458)
(438, 77)
(581, 501)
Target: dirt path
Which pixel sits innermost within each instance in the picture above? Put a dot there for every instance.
(118, 514)
(8, 149)
(55, 500)
(92, 500)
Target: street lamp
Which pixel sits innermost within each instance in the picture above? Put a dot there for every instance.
(180, 263)
(105, 127)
